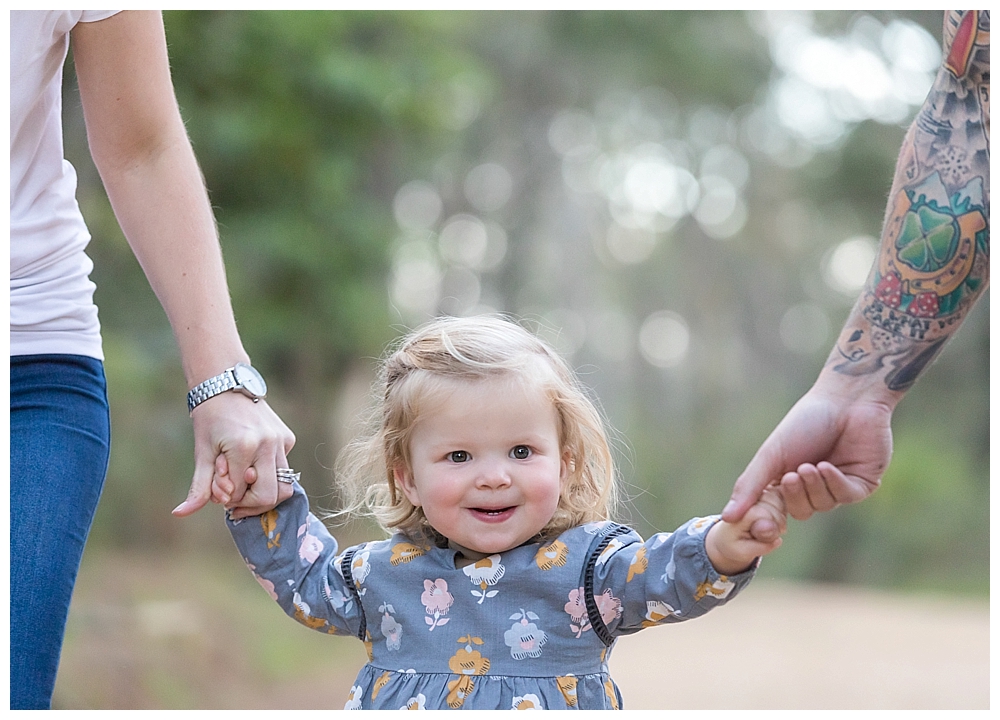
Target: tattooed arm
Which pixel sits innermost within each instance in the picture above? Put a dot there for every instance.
(932, 266)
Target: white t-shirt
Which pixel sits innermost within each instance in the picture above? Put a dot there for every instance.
(51, 295)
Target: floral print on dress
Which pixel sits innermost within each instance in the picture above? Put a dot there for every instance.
(436, 600)
(466, 663)
(612, 693)
(658, 539)
(391, 630)
(484, 573)
(614, 545)
(269, 524)
(340, 602)
(310, 546)
(608, 605)
(699, 525)
(638, 565)
(404, 552)
(369, 645)
(360, 567)
(382, 681)
(670, 571)
(417, 702)
(656, 612)
(528, 701)
(577, 610)
(524, 638)
(303, 613)
(567, 686)
(409, 588)
(354, 698)
(718, 589)
(552, 555)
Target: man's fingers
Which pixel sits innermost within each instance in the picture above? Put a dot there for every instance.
(845, 488)
(750, 484)
(796, 499)
(817, 488)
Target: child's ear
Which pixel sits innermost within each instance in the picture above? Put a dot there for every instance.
(567, 466)
(404, 481)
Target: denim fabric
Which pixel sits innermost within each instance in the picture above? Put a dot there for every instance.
(59, 445)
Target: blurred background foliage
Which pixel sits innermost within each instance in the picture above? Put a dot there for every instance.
(685, 203)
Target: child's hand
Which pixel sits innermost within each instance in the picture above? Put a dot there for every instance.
(238, 511)
(814, 487)
(732, 547)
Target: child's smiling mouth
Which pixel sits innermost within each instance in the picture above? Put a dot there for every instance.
(493, 514)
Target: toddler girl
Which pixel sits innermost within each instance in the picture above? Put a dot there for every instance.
(505, 585)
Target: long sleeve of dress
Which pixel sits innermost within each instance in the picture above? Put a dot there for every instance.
(294, 558)
(667, 578)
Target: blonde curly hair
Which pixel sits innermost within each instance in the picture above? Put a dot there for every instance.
(474, 348)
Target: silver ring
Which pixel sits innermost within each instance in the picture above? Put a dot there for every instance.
(288, 476)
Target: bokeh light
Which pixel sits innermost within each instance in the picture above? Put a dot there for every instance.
(417, 206)
(846, 267)
(664, 339)
(488, 187)
(827, 84)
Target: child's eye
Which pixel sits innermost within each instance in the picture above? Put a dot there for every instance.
(521, 452)
(459, 456)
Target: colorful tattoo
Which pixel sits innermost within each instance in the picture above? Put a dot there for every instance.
(934, 259)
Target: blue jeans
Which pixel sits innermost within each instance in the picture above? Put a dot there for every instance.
(60, 437)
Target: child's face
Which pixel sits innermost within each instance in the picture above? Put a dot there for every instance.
(486, 465)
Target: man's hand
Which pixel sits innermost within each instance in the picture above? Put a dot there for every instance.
(827, 451)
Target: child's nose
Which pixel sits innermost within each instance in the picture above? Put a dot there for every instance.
(493, 475)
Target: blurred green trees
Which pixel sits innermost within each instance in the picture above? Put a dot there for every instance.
(635, 184)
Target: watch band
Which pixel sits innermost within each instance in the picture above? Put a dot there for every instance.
(201, 392)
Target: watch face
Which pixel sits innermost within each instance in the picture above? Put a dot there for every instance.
(250, 379)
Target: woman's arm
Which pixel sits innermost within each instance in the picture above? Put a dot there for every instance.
(147, 165)
(932, 266)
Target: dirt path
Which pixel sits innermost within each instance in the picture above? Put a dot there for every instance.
(808, 647)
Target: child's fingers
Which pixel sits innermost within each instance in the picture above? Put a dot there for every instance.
(817, 488)
(759, 549)
(222, 485)
(765, 530)
(767, 520)
(285, 491)
(793, 490)
(835, 480)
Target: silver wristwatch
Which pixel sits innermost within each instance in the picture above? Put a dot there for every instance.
(240, 377)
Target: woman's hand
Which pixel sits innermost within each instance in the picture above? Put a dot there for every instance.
(239, 444)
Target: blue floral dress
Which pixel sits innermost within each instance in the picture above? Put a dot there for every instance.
(531, 627)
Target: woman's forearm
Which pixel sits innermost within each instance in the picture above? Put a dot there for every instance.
(147, 165)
